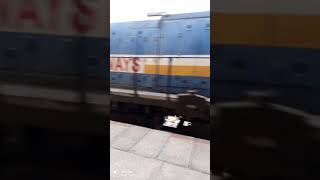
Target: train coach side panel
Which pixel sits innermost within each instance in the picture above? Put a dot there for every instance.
(274, 47)
(170, 74)
(186, 36)
(51, 37)
(176, 62)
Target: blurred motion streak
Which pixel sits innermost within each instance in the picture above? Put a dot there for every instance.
(54, 84)
(267, 50)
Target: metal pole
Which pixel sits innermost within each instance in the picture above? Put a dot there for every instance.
(159, 53)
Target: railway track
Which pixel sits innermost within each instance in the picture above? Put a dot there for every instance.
(198, 128)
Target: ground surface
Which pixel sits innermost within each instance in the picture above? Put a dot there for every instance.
(139, 153)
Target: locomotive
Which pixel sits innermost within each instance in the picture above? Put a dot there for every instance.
(162, 66)
(170, 55)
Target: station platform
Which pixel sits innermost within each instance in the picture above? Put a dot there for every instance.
(139, 153)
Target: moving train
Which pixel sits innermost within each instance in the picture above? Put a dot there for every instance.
(170, 55)
(267, 46)
(58, 51)
(52, 40)
(53, 59)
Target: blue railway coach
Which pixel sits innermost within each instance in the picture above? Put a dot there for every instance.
(52, 37)
(267, 46)
(170, 55)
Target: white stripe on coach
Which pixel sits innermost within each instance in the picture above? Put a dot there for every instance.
(176, 61)
(158, 56)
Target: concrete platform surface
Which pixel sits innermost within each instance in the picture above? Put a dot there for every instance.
(139, 153)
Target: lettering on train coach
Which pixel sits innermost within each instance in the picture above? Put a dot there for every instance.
(84, 10)
(50, 15)
(130, 65)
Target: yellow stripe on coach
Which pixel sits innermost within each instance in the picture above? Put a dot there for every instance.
(282, 30)
(202, 71)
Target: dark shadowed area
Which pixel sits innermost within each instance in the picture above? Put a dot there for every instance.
(54, 89)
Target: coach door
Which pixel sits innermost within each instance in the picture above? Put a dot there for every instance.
(171, 46)
(146, 52)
